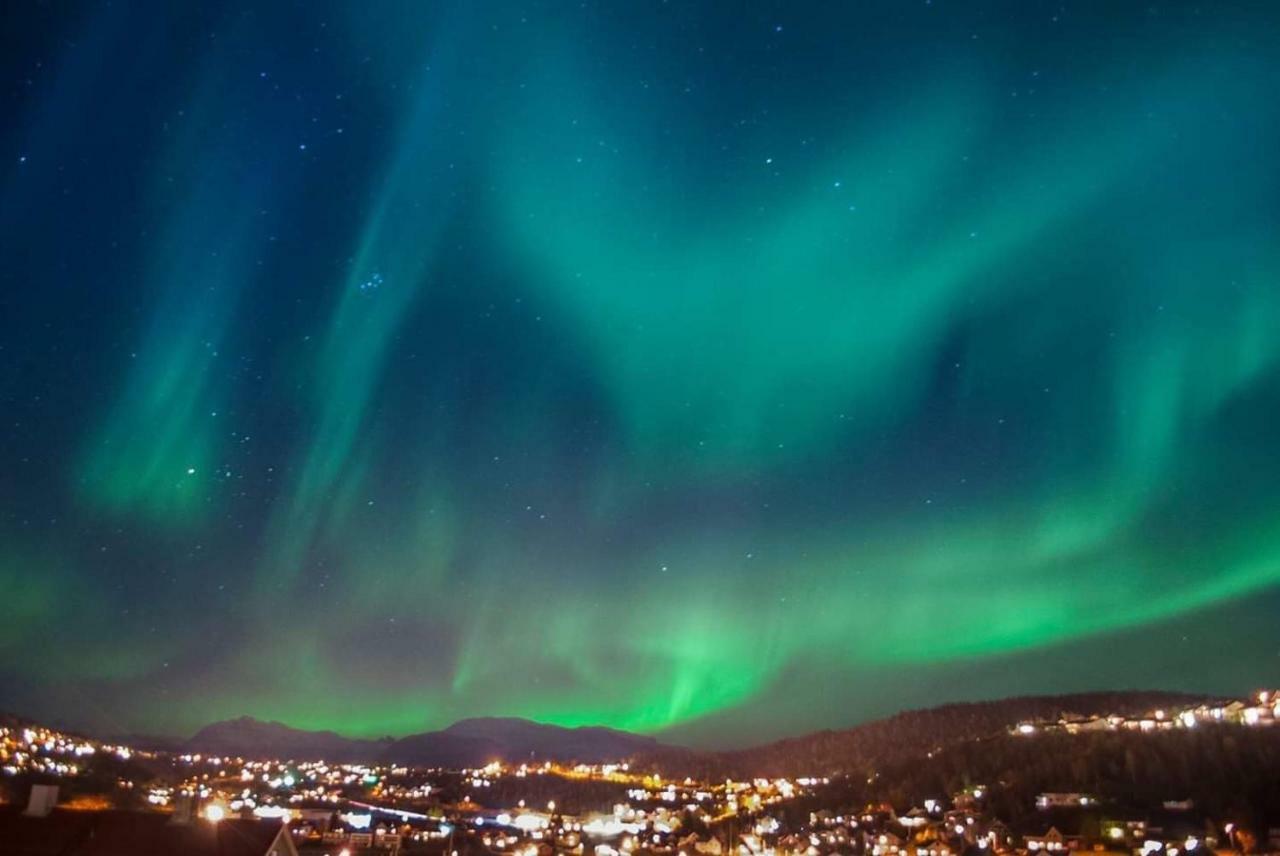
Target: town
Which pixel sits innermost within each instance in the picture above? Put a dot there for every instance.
(1263, 709)
(342, 809)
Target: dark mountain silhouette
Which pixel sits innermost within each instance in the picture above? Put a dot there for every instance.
(915, 733)
(1222, 770)
(476, 742)
(468, 743)
(247, 737)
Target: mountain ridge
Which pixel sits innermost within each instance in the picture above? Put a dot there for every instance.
(917, 732)
(249, 737)
(476, 741)
(471, 742)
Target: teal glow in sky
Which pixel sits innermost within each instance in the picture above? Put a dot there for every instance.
(674, 367)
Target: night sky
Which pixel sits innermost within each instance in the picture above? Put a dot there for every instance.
(716, 370)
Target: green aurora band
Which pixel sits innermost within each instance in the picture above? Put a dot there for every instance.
(675, 370)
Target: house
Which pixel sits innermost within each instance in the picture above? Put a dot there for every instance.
(62, 832)
(1063, 800)
(931, 848)
(999, 836)
(886, 844)
(1052, 841)
(1233, 711)
(1093, 723)
(914, 819)
(1124, 830)
(1257, 715)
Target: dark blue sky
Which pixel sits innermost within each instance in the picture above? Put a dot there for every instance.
(679, 367)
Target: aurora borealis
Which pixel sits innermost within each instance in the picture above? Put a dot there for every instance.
(715, 370)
